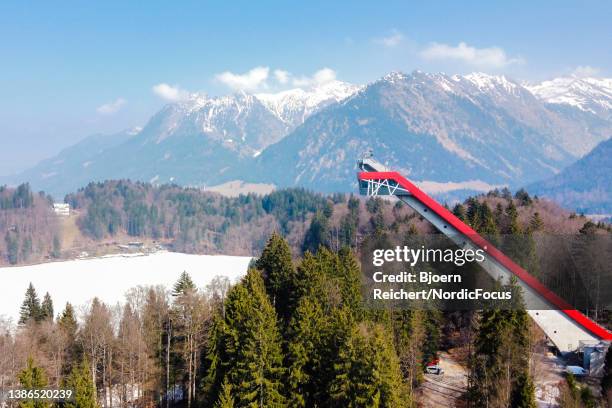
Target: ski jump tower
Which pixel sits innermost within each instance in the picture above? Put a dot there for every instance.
(565, 326)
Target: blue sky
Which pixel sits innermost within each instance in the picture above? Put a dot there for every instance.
(70, 69)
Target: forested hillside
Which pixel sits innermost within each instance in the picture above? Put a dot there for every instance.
(104, 215)
(29, 231)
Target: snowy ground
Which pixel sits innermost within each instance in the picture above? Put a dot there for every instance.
(110, 277)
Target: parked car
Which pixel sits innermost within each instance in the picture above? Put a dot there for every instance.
(434, 369)
(577, 371)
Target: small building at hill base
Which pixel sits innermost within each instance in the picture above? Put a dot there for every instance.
(62, 209)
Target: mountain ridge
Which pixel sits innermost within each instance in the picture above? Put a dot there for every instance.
(585, 185)
(476, 130)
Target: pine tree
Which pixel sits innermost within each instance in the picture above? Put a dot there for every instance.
(305, 348)
(459, 212)
(498, 215)
(473, 213)
(487, 225)
(536, 223)
(409, 334)
(46, 309)
(310, 278)
(512, 215)
(279, 274)
(30, 308)
(523, 395)
(502, 353)
(350, 282)
(26, 248)
(523, 197)
(225, 399)
(67, 323)
(56, 251)
(367, 372)
(183, 285)
(81, 383)
(247, 347)
(33, 377)
(506, 194)
(317, 233)
(12, 247)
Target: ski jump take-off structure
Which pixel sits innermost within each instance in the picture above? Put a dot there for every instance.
(565, 326)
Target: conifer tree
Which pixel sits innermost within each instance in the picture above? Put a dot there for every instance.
(12, 247)
(304, 357)
(487, 225)
(279, 274)
(409, 336)
(310, 278)
(350, 282)
(498, 215)
(67, 323)
(30, 308)
(247, 350)
(56, 251)
(225, 399)
(33, 377)
(523, 395)
(183, 285)
(432, 323)
(512, 214)
(46, 308)
(317, 233)
(535, 223)
(459, 212)
(367, 372)
(80, 382)
(499, 369)
(473, 213)
(523, 197)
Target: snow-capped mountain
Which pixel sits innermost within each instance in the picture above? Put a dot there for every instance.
(295, 105)
(447, 132)
(242, 122)
(469, 132)
(239, 122)
(592, 95)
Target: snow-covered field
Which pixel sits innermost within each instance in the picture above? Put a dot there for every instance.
(110, 277)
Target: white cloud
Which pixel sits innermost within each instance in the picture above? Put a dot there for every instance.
(250, 81)
(282, 76)
(492, 57)
(392, 40)
(585, 71)
(320, 77)
(170, 93)
(111, 107)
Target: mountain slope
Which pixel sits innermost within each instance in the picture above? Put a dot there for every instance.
(585, 186)
(476, 130)
(53, 174)
(192, 142)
